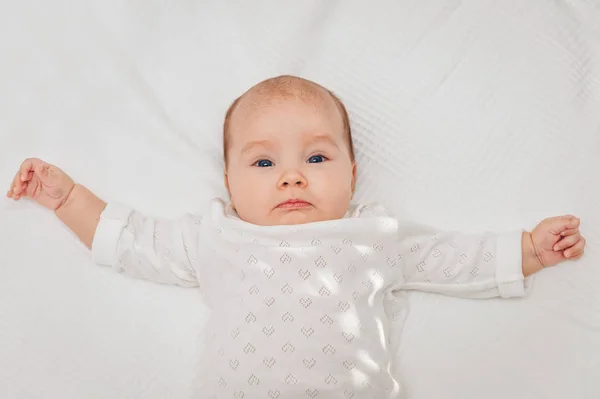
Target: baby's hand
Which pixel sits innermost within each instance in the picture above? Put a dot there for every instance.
(557, 239)
(44, 183)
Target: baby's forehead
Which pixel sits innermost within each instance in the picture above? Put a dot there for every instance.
(257, 101)
(271, 116)
(267, 107)
(257, 111)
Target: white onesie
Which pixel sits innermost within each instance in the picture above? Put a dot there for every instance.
(299, 311)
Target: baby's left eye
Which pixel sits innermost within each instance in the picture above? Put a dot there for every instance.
(316, 159)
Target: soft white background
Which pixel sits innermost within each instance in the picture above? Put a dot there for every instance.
(467, 115)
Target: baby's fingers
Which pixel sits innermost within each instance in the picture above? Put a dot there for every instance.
(27, 176)
(569, 232)
(24, 175)
(11, 189)
(27, 166)
(557, 225)
(567, 242)
(20, 190)
(576, 251)
(14, 186)
(569, 222)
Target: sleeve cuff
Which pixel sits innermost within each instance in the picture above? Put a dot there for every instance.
(112, 221)
(509, 268)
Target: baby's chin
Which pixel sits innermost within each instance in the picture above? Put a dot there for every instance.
(293, 217)
(298, 217)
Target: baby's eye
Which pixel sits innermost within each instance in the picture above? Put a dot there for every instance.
(316, 159)
(263, 163)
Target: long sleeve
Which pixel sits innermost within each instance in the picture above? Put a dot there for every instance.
(140, 247)
(461, 265)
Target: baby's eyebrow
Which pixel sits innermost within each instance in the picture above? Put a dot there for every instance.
(321, 138)
(308, 140)
(249, 146)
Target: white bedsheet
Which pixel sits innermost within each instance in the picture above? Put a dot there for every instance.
(467, 115)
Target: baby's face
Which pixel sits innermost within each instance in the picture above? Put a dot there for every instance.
(289, 163)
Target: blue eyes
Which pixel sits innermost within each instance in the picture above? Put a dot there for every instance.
(265, 163)
(316, 159)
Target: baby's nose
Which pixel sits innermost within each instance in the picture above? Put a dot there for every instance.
(297, 183)
(293, 178)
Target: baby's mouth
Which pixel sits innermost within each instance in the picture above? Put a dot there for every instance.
(294, 204)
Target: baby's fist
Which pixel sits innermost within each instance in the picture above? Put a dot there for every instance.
(557, 239)
(44, 183)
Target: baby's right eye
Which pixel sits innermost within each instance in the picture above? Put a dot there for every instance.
(263, 163)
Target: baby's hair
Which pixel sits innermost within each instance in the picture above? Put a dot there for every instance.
(287, 87)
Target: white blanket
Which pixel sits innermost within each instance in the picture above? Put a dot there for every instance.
(467, 115)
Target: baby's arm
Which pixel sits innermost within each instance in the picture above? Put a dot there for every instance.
(484, 265)
(160, 251)
(81, 212)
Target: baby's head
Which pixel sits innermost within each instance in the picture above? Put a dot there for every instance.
(288, 151)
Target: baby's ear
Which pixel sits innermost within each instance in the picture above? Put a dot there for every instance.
(226, 181)
(353, 177)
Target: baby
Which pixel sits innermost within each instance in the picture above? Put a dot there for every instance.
(296, 277)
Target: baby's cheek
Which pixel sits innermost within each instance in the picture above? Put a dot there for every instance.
(337, 198)
(251, 195)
